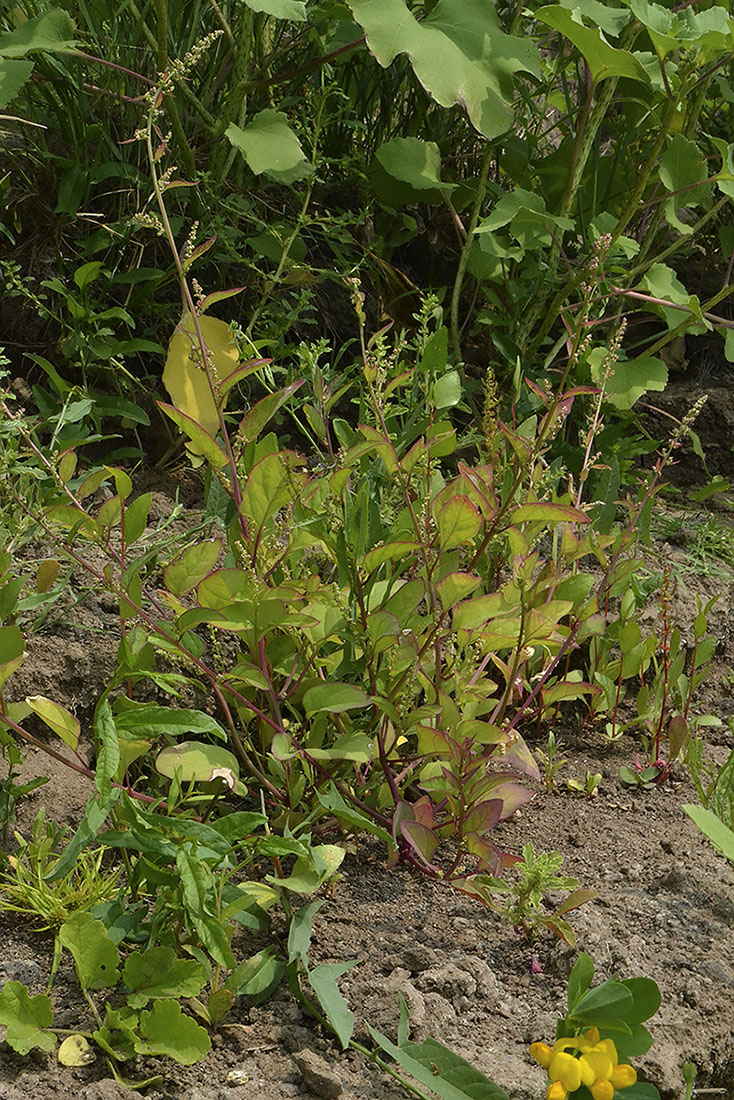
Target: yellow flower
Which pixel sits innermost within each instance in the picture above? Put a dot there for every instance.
(594, 1063)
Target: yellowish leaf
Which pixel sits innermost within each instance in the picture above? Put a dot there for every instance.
(184, 376)
(76, 1051)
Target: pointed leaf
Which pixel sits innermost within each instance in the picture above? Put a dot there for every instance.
(458, 522)
(335, 698)
(323, 982)
(185, 572)
(259, 415)
(57, 718)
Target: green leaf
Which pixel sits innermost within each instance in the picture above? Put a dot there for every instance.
(166, 1030)
(12, 651)
(579, 979)
(350, 746)
(334, 698)
(186, 571)
(13, 75)
(157, 972)
(151, 720)
(273, 483)
(311, 872)
(459, 53)
(280, 9)
(455, 1080)
(108, 751)
(202, 441)
(257, 976)
(631, 378)
(323, 982)
(447, 390)
(413, 161)
(262, 412)
(96, 813)
(95, 955)
(458, 522)
(603, 60)
(57, 718)
(720, 835)
(136, 517)
(196, 762)
(608, 1001)
(392, 551)
(547, 512)
(299, 933)
(53, 30)
(270, 146)
(26, 1019)
(682, 166)
(196, 889)
(455, 587)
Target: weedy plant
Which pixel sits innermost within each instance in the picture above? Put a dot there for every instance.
(603, 1027)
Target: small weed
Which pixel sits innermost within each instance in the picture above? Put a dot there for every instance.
(25, 890)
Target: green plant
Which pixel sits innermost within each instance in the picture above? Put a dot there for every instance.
(588, 787)
(714, 784)
(720, 835)
(24, 882)
(551, 761)
(603, 1026)
(535, 876)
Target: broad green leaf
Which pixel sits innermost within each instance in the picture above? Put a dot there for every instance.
(12, 651)
(603, 60)
(76, 1051)
(456, 587)
(258, 416)
(322, 980)
(547, 512)
(351, 746)
(458, 522)
(185, 572)
(608, 1001)
(335, 698)
(196, 762)
(646, 996)
(257, 976)
(459, 53)
(280, 9)
(13, 75)
(662, 282)
(447, 390)
(201, 442)
(270, 147)
(166, 1030)
(186, 379)
(157, 972)
(311, 872)
(720, 835)
(273, 483)
(455, 1079)
(474, 613)
(26, 1019)
(53, 30)
(151, 720)
(95, 955)
(392, 551)
(631, 378)
(682, 166)
(413, 161)
(57, 718)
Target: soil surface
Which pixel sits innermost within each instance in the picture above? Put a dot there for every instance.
(665, 909)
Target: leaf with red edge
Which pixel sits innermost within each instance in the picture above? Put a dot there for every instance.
(421, 839)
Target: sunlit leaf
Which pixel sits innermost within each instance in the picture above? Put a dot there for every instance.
(270, 147)
(57, 718)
